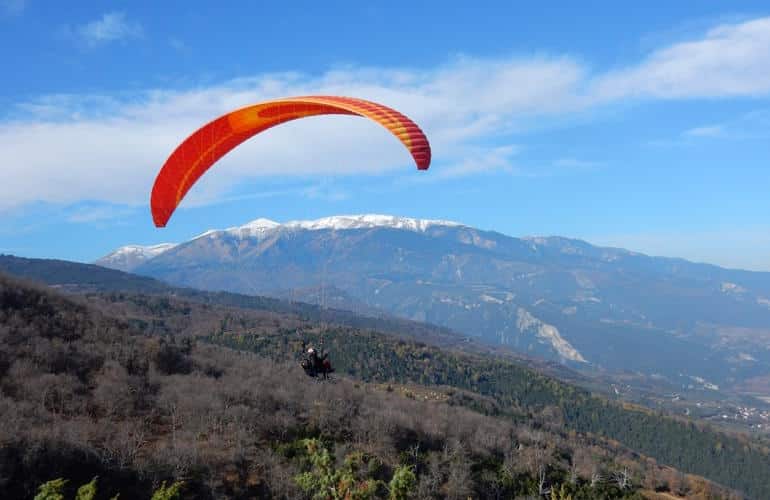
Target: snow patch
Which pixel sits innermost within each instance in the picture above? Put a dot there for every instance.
(343, 222)
(147, 252)
(128, 257)
(261, 227)
(583, 281)
(705, 383)
(210, 232)
(489, 298)
(728, 287)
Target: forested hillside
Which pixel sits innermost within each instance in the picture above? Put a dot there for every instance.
(731, 460)
(119, 388)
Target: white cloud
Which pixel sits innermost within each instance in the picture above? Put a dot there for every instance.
(110, 27)
(67, 152)
(495, 159)
(95, 213)
(67, 148)
(705, 131)
(731, 60)
(752, 125)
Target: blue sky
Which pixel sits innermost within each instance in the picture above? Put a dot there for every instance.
(643, 126)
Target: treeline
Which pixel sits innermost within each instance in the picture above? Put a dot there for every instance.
(697, 449)
(78, 276)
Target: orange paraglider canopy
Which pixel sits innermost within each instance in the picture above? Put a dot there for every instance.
(206, 146)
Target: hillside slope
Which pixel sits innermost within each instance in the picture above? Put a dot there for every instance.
(86, 394)
(86, 391)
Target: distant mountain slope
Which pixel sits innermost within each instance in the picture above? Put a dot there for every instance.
(562, 299)
(130, 256)
(64, 274)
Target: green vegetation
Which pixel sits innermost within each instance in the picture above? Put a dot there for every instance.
(354, 479)
(54, 490)
(51, 490)
(171, 492)
(87, 491)
(402, 484)
(324, 480)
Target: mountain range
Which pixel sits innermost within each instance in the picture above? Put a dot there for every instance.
(593, 308)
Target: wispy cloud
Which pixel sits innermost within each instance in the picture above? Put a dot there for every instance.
(111, 27)
(498, 159)
(705, 131)
(326, 191)
(89, 213)
(576, 164)
(177, 44)
(322, 190)
(746, 126)
(63, 149)
(12, 7)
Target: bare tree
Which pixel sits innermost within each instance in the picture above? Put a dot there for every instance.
(430, 481)
(414, 453)
(459, 474)
(573, 474)
(511, 460)
(541, 481)
(622, 478)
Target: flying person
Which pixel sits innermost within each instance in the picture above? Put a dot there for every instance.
(315, 363)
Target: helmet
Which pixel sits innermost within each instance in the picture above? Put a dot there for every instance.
(310, 351)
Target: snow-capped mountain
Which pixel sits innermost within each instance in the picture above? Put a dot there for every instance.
(129, 257)
(554, 297)
(261, 227)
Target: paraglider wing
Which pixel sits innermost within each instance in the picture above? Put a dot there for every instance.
(206, 146)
